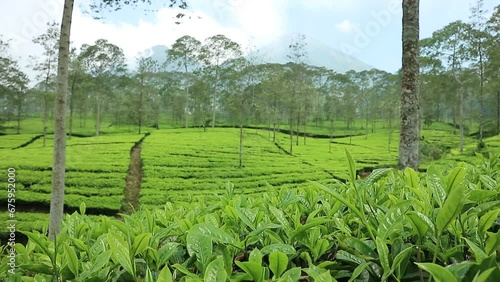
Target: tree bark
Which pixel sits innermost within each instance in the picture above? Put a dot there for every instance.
(58, 168)
(409, 137)
(241, 145)
(461, 110)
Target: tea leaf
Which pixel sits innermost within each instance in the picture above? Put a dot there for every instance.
(215, 271)
(439, 273)
(278, 263)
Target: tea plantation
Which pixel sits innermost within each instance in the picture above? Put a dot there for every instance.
(307, 216)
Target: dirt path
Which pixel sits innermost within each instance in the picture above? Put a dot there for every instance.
(132, 190)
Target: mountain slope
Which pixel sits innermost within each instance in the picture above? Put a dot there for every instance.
(319, 54)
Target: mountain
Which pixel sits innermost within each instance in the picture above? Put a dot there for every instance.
(319, 54)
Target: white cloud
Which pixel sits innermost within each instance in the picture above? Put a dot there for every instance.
(345, 26)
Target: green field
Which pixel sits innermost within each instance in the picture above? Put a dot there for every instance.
(193, 165)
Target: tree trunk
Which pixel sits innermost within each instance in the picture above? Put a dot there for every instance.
(71, 106)
(461, 111)
(410, 101)
(45, 117)
(98, 118)
(19, 108)
(331, 136)
(141, 95)
(297, 132)
(291, 134)
(58, 168)
(498, 112)
(481, 98)
(241, 145)
(305, 127)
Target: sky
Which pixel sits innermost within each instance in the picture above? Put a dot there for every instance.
(369, 30)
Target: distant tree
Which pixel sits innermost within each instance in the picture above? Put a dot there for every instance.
(46, 68)
(215, 51)
(297, 57)
(147, 69)
(13, 85)
(184, 53)
(102, 60)
(478, 38)
(409, 137)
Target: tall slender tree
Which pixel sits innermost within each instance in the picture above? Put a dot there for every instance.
(59, 162)
(184, 52)
(409, 137)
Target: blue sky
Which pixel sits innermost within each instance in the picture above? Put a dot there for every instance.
(370, 30)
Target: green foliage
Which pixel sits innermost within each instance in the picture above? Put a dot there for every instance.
(392, 226)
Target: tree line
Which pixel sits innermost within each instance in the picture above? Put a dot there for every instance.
(215, 82)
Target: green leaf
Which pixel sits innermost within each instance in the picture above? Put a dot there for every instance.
(358, 270)
(451, 207)
(149, 276)
(439, 273)
(37, 268)
(400, 262)
(284, 248)
(313, 223)
(487, 220)
(83, 208)
(454, 179)
(252, 268)
(73, 262)
(292, 274)
(280, 217)
(120, 252)
(199, 245)
(278, 263)
(141, 241)
(190, 276)
(41, 243)
(420, 222)
(480, 195)
(165, 275)
(339, 198)
(392, 219)
(361, 247)
(479, 254)
(352, 166)
(411, 178)
(215, 271)
(255, 256)
(492, 243)
(101, 260)
(215, 233)
(376, 175)
(485, 275)
(383, 255)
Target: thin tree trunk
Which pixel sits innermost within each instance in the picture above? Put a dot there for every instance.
(461, 110)
(141, 95)
(58, 168)
(241, 145)
(297, 132)
(291, 134)
(410, 100)
(19, 108)
(71, 106)
(305, 127)
(498, 112)
(45, 117)
(98, 118)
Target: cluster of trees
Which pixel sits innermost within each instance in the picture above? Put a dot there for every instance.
(460, 73)
(210, 82)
